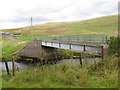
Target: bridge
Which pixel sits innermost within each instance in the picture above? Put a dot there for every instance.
(47, 49)
(92, 48)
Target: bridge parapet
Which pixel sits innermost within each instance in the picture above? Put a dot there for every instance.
(95, 49)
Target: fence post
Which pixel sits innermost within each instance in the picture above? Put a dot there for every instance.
(7, 67)
(103, 38)
(68, 38)
(58, 37)
(78, 38)
(55, 59)
(90, 38)
(80, 58)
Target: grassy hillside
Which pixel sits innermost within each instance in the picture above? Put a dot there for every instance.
(101, 25)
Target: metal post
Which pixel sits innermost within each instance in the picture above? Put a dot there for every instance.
(45, 43)
(68, 38)
(70, 46)
(31, 28)
(59, 44)
(84, 48)
(90, 38)
(78, 38)
(58, 37)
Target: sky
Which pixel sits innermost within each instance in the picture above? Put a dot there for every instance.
(17, 13)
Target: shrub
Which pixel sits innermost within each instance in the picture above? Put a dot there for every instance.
(114, 45)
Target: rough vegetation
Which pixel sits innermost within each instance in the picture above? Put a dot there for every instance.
(9, 47)
(114, 45)
(103, 74)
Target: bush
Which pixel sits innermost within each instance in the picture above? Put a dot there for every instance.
(67, 53)
(114, 45)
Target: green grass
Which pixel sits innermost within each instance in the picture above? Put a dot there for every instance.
(114, 45)
(103, 74)
(23, 38)
(103, 25)
(28, 38)
(9, 47)
(107, 25)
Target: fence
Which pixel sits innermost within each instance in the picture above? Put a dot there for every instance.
(78, 38)
(85, 38)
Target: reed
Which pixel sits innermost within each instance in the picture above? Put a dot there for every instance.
(103, 74)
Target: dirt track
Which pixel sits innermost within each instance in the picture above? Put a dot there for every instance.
(12, 39)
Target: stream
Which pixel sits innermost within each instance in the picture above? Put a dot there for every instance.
(20, 65)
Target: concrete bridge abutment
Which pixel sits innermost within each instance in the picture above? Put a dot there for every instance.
(35, 50)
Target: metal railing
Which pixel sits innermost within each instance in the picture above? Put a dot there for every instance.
(85, 38)
(96, 49)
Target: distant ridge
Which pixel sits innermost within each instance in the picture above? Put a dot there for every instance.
(101, 25)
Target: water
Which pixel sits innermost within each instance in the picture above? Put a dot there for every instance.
(19, 65)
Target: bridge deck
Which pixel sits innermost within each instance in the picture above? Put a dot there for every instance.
(96, 48)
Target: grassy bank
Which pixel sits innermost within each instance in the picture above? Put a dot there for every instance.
(29, 38)
(103, 74)
(9, 47)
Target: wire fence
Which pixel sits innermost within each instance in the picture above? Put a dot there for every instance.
(75, 38)
(85, 38)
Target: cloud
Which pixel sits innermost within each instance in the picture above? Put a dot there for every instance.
(17, 13)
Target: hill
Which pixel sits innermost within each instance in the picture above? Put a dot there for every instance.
(102, 25)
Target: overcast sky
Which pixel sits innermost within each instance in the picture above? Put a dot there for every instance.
(17, 13)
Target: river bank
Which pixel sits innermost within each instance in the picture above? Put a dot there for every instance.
(9, 47)
(103, 74)
(24, 63)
